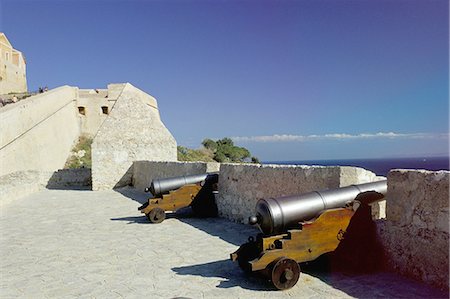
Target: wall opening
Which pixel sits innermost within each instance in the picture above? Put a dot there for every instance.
(105, 110)
(82, 110)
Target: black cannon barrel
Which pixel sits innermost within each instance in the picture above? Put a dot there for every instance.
(161, 186)
(275, 215)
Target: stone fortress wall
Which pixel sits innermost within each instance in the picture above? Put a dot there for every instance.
(38, 132)
(12, 68)
(133, 131)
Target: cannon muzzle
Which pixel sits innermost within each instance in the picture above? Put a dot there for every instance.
(162, 186)
(276, 215)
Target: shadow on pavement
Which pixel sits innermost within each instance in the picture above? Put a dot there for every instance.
(372, 285)
(232, 274)
(357, 266)
(134, 194)
(142, 219)
(234, 233)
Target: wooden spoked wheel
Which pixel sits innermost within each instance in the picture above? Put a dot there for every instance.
(285, 273)
(157, 215)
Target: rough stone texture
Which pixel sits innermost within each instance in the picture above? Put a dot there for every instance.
(132, 132)
(378, 210)
(31, 135)
(144, 172)
(84, 244)
(242, 185)
(23, 183)
(70, 178)
(415, 234)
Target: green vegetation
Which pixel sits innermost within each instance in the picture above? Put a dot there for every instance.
(81, 154)
(187, 154)
(222, 150)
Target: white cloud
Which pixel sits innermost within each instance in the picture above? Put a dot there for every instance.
(338, 136)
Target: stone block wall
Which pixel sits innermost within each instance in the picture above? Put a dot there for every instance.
(132, 132)
(38, 133)
(79, 178)
(16, 185)
(19, 184)
(415, 234)
(94, 106)
(242, 185)
(146, 171)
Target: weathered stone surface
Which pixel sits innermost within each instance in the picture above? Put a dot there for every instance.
(70, 178)
(32, 137)
(415, 234)
(96, 105)
(23, 183)
(132, 132)
(146, 171)
(242, 185)
(419, 198)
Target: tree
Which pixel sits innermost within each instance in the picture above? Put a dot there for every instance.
(210, 144)
(222, 150)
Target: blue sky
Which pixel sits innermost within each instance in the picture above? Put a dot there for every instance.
(289, 80)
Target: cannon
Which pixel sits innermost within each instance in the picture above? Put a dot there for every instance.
(300, 228)
(174, 193)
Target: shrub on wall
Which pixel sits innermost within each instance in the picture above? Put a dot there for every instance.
(80, 155)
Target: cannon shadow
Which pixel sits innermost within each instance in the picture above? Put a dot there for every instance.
(134, 194)
(233, 233)
(233, 276)
(142, 219)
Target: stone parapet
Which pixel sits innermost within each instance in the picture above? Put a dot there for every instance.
(79, 178)
(242, 185)
(415, 235)
(19, 184)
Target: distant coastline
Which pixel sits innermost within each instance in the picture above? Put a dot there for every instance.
(380, 166)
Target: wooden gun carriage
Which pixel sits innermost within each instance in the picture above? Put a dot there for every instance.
(301, 228)
(172, 194)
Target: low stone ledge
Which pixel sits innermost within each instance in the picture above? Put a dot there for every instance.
(242, 185)
(415, 235)
(71, 178)
(21, 183)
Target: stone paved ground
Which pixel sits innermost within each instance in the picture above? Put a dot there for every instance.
(84, 244)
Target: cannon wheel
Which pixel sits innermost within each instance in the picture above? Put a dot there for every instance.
(285, 273)
(157, 215)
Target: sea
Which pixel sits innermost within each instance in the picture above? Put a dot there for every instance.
(380, 166)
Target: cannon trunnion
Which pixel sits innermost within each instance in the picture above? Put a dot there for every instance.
(172, 194)
(277, 255)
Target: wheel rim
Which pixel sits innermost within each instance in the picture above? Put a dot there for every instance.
(285, 273)
(156, 215)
